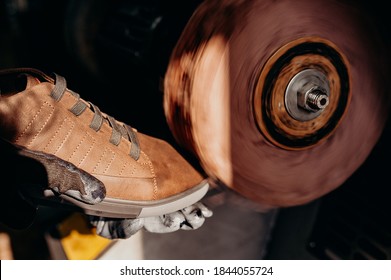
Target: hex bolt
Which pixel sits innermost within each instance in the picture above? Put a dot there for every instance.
(317, 100)
(312, 98)
(307, 95)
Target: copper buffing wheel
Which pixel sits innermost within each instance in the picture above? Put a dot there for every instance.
(281, 101)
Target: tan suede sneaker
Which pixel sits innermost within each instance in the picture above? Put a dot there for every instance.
(143, 176)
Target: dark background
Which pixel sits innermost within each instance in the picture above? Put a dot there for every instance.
(114, 54)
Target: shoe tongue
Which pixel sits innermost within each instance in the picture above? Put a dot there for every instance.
(30, 81)
(21, 82)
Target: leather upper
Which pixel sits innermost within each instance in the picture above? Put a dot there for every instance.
(33, 119)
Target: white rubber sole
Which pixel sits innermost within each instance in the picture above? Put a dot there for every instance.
(117, 208)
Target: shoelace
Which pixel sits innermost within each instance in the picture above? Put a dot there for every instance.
(118, 131)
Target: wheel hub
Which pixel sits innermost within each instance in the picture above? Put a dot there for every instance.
(307, 95)
(302, 93)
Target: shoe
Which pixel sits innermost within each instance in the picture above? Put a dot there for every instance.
(143, 176)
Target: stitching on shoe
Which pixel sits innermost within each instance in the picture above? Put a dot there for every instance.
(133, 168)
(89, 149)
(77, 147)
(55, 134)
(122, 168)
(110, 162)
(155, 186)
(43, 125)
(31, 122)
(119, 129)
(106, 151)
(65, 138)
(99, 161)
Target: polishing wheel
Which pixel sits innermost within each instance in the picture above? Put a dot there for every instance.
(281, 101)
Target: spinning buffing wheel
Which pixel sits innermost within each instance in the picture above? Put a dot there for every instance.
(281, 101)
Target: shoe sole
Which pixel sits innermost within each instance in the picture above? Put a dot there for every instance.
(118, 208)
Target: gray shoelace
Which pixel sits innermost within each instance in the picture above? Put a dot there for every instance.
(118, 130)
